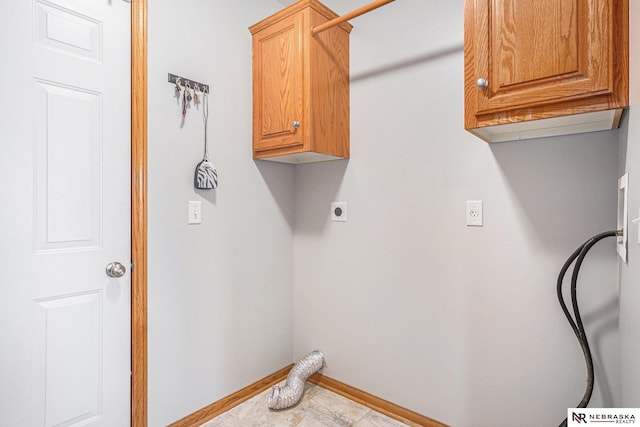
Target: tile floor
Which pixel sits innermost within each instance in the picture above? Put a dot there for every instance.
(317, 408)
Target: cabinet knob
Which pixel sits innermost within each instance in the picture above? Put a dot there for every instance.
(295, 124)
(482, 84)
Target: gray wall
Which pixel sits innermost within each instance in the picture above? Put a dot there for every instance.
(461, 324)
(407, 303)
(220, 303)
(630, 272)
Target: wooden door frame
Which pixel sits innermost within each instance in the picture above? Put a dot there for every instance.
(139, 29)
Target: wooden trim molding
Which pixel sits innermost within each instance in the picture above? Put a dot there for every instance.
(139, 45)
(370, 401)
(373, 402)
(223, 405)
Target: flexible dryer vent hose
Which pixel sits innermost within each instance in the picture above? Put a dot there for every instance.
(289, 394)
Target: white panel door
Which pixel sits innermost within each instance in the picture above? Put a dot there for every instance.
(64, 212)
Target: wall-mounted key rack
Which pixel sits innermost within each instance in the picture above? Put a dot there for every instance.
(192, 84)
(188, 90)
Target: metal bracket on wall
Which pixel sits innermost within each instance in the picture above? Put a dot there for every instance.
(192, 83)
(623, 203)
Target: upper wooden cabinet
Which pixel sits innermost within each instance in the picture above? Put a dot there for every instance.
(537, 68)
(300, 86)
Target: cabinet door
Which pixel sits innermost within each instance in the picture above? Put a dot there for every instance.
(540, 52)
(277, 85)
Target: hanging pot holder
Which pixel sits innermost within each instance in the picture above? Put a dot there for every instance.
(206, 175)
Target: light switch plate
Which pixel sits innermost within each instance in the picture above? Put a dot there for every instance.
(195, 212)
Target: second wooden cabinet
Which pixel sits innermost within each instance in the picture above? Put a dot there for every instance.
(300, 86)
(544, 67)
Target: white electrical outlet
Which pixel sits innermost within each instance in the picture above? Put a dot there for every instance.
(474, 213)
(339, 211)
(621, 240)
(195, 212)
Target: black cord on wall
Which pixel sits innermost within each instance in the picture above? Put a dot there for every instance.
(577, 326)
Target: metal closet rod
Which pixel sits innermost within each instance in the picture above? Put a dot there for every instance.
(340, 19)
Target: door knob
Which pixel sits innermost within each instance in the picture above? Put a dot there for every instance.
(115, 269)
(482, 84)
(295, 124)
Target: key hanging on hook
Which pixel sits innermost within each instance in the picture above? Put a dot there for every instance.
(178, 88)
(185, 103)
(189, 90)
(196, 98)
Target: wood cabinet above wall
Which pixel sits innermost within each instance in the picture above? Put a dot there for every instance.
(544, 67)
(300, 86)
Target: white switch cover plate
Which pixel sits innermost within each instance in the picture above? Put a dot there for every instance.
(339, 211)
(195, 212)
(474, 213)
